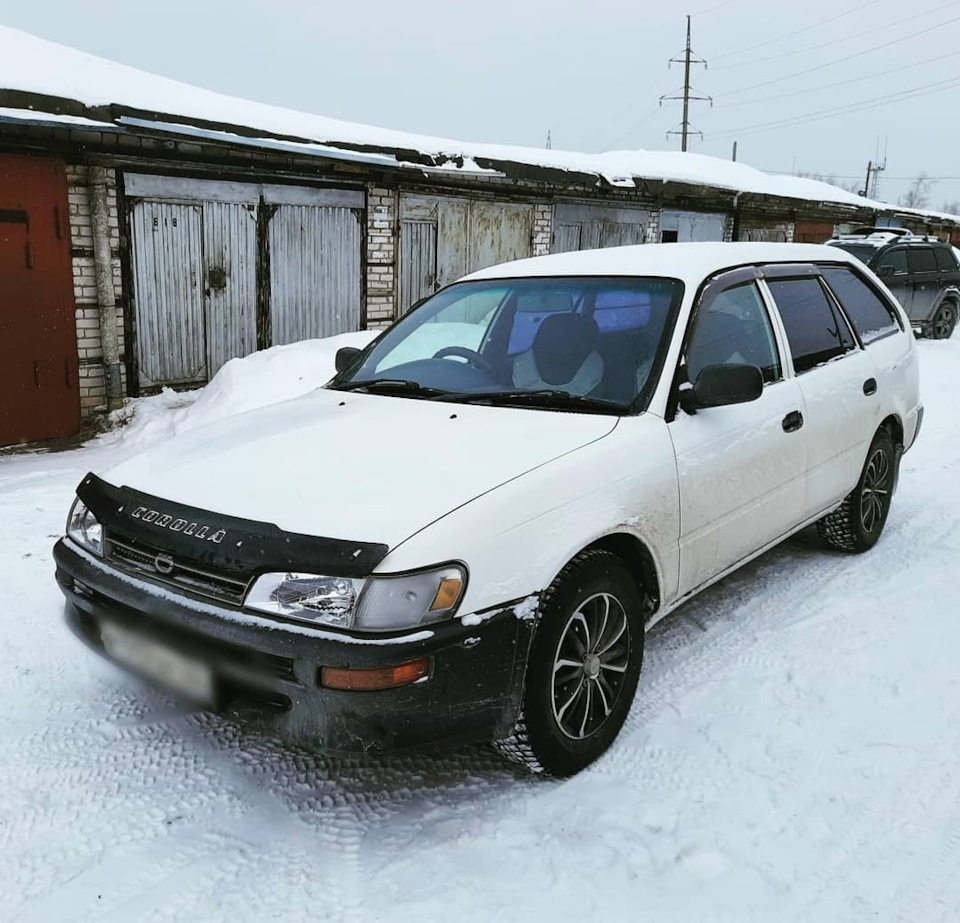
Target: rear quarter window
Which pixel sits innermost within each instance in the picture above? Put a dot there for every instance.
(945, 259)
(871, 317)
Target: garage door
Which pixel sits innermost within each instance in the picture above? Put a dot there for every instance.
(222, 269)
(588, 227)
(686, 226)
(39, 389)
(442, 239)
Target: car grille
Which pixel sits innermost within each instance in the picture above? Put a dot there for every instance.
(142, 559)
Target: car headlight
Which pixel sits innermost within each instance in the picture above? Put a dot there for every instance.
(84, 528)
(374, 604)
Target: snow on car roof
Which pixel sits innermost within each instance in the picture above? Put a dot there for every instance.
(690, 262)
(44, 76)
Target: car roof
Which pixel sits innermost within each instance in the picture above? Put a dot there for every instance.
(689, 262)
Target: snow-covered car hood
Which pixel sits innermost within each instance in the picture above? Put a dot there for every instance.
(354, 466)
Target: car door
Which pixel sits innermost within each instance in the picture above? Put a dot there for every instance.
(892, 268)
(925, 280)
(741, 467)
(837, 381)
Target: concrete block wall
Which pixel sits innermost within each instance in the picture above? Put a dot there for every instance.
(92, 388)
(381, 256)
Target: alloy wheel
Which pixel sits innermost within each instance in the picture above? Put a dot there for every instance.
(589, 666)
(876, 490)
(943, 322)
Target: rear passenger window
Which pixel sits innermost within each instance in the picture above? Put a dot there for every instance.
(815, 330)
(870, 316)
(733, 329)
(946, 262)
(896, 259)
(921, 259)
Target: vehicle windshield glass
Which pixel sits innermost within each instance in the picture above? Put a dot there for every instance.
(530, 341)
(863, 252)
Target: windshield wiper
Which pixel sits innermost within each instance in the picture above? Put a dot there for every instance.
(543, 397)
(388, 385)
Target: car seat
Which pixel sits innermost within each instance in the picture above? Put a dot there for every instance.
(563, 355)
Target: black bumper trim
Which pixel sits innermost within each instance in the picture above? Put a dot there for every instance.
(473, 693)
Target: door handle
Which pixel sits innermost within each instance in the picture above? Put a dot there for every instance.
(870, 386)
(792, 421)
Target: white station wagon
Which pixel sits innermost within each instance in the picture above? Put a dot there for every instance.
(464, 535)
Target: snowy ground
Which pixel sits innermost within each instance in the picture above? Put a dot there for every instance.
(793, 754)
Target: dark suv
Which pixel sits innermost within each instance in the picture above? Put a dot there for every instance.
(922, 272)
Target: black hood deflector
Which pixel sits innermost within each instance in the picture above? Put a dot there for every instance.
(220, 541)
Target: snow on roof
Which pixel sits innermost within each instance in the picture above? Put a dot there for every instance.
(31, 65)
(690, 262)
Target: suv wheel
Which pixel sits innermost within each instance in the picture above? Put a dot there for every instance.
(583, 667)
(941, 328)
(857, 524)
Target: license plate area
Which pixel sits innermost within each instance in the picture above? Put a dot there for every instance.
(167, 666)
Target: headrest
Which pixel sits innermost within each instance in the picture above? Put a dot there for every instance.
(562, 344)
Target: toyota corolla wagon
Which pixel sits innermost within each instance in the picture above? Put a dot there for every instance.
(464, 535)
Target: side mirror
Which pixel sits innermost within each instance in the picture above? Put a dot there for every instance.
(885, 272)
(720, 385)
(345, 357)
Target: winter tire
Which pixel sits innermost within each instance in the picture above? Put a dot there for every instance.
(583, 667)
(941, 328)
(856, 525)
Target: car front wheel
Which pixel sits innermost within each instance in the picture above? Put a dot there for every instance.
(856, 525)
(583, 667)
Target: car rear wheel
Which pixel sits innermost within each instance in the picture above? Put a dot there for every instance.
(944, 321)
(583, 667)
(857, 524)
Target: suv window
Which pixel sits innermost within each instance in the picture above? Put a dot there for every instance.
(815, 330)
(733, 329)
(946, 262)
(896, 258)
(921, 259)
(869, 314)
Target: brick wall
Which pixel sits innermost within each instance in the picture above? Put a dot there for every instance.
(542, 229)
(92, 389)
(381, 256)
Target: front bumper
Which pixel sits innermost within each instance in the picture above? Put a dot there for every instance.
(270, 670)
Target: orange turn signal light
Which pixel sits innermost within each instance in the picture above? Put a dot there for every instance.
(447, 594)
(370, 678)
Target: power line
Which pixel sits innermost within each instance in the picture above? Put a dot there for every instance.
(714, 8)
(850, 57)
(780, 38)
(925, 90)
(831, 86)
(838, 41)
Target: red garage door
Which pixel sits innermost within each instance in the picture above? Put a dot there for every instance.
(39, 393)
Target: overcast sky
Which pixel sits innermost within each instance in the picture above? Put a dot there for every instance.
(589, 71)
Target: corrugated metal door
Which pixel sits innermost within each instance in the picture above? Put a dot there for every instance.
(39, 390)
(418, 252)
(588, 227)
(230, 281)
(167, 243)
(692, 226)
(314, 272)
(458, 236)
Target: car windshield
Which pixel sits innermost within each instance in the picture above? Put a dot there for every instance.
(556, 343)
(863, 252)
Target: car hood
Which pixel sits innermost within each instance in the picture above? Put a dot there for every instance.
(360, 467)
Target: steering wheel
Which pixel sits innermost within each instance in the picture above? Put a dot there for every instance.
(471, 355)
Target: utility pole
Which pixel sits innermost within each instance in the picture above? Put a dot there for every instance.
(734, 156)
(866, 185)
(686, 59)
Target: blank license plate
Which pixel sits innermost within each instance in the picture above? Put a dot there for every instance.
(185, 675)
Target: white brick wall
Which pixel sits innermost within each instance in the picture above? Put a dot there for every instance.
(381, 256)
(542, 229)
(92, 389)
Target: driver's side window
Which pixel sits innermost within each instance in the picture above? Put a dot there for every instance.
(733, 328)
